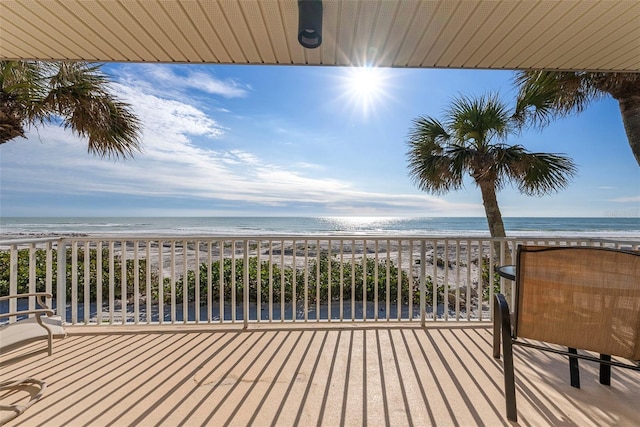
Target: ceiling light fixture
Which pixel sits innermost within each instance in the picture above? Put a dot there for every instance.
(310, 23)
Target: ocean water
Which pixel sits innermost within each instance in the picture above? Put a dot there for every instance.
(610, 227)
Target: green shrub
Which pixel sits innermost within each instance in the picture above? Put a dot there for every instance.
(487, 269)
(317, 281)
(40, 273)
(355, 276)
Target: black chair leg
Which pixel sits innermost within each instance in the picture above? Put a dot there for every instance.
(503, 330)
(509, 377)
(496, 327)
(605, 370)
(574, 369)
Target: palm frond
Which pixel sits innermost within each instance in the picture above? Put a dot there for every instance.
(428, 129)
(503, 157)
(76, 93)
(537, 174)
(111, 128)
(24, 86)
(79, 94)
(546, 95)
(431, 166)
(478, 120)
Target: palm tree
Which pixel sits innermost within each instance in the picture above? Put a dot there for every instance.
(73, 94)
(545, 95)
(471, 141)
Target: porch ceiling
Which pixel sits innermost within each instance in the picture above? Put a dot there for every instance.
(506, 34)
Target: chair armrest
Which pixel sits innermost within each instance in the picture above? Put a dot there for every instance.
(37, 311)
(30, 294)
(501, 323)
(40, 298)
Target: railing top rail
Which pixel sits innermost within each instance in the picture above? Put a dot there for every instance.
(276, 237)
(334, 237)
(27, 240)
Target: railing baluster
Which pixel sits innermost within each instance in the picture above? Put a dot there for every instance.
(161, 281)
(112, 281)
(258, 282)
(61, 282)
(209, 281)
(123, 280)
(87, 283)
(32, 274)
(399, 278)
(376, 281)
(353, 280)
(329, 278)
(388, 293)
(13, 279)
(172, 279)
(74, 283)
(423, 282)
(185, 282)
(148, 282)
(411, 284)
(317, 280)
(468, 279)
(136, 283)
(196, 286)
(306, 280)
(99, 282)
(49, 271)
(294, 312)
(245, 299)
(282, 281)
(221, 279)
(341, 280)
(270, 280)
(364, 279)
(457, 280)
(233, 281)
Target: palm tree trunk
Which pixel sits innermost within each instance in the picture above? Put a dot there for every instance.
(496, 228)
(491, 209)
(630, 111)
(494, 217)
(11, 118)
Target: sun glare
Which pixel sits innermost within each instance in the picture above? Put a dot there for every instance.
(366, 81)
(364, 87)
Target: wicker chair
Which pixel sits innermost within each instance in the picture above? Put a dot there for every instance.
(585, 298)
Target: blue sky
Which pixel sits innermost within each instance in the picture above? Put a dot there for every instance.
(298, 141)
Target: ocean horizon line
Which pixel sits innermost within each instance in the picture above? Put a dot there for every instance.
(579, 227)
(612, 216)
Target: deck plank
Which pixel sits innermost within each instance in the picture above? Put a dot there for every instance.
(391, 374)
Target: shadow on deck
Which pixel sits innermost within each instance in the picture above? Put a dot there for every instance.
(392, 375)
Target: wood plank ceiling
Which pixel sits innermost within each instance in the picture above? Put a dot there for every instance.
(493, 34)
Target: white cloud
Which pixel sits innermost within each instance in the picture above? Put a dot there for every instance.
(168, 117)
(177, 164)
(630, 199)
(163, 81)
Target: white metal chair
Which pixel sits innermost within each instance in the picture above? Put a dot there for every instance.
(25, 326)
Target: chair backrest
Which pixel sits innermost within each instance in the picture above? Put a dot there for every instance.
(581, 297)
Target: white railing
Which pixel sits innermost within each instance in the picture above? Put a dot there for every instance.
(296, 279)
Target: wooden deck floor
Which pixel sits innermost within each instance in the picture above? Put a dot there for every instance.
(326, 376)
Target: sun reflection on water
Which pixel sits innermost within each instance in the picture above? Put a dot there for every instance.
(361, 223)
